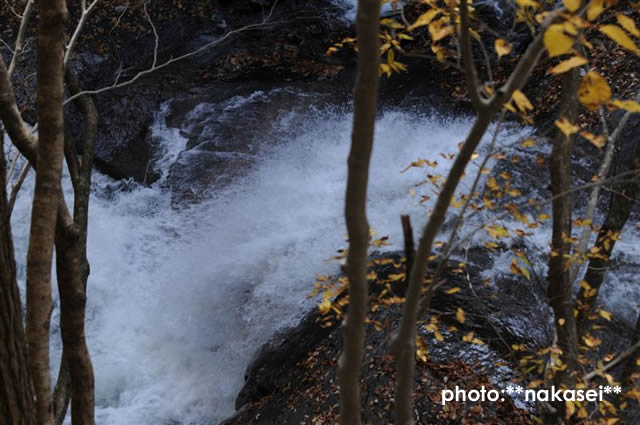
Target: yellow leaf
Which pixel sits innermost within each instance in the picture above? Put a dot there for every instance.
(581, 222)
(324, 306)
(597, 141)
(566, 127)
(491, 246)
(585, 285)
(385, 69)
(439, 51)
(596, 7)
(395, 277)
(529, 143)
(438, 32)
(605, 314)
(522, 101)
(460, 315)
(543, 217)
(561, 322)
(438, 335)
(424, 19)
(628, 24)
(421, 349)
(492, 183)
(594, 90)
(502, 47)
(627, 105)
(497, 232)
(452, 291)
(528, 3)
(572, 5)
(618, 35)
(568, 64)
(556, 41)
(512, 191)
(591, 341)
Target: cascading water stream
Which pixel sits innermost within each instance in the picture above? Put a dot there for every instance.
(180, 297)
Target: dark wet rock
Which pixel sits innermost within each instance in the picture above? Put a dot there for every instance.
(225, 125)
(278, 372)
(293, 376)
(290, 47)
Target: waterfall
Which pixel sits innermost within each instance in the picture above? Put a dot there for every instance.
(180, 297)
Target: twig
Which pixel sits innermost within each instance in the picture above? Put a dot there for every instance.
(16, 187)
(21, 32)
(409, 245)
(632, 173)
(470, 72)
(630, 351)
(155, 34)
(76, 33)
(439, 270)
(152, 69)
(487, 59)
(12, 9)
(602, 171)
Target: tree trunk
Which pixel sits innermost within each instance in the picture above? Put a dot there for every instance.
(631, 366)
(16, 390)
(62, 391)
(72, 286)
(364, 115)
(403, 341)
(560, 294)
(73, 268)
(46, 199)
(623, 200)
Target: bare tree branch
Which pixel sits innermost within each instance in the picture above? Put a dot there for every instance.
(403, 341)
(155, 34)
(17, 186)
(613, 363)
(117, 84)
(21, 33)
(86, 11)
(426, 301)
(470, 72)
(364, 116)
(528, 204)
(15, 126)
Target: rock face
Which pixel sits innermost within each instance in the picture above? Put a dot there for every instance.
(298, 34)
(224, 125)
(292, 379)
(293, 376)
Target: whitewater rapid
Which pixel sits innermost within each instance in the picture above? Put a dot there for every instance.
(179, 298)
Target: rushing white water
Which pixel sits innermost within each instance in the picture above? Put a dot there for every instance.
(180, 298)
